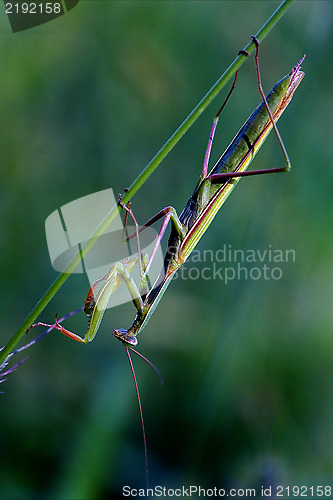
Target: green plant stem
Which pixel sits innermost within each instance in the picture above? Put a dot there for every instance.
(141, 179)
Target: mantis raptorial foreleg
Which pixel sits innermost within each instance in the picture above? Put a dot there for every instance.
(95, 306)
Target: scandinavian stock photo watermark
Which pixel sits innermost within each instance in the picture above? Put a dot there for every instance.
(68, 227)
(228, 264)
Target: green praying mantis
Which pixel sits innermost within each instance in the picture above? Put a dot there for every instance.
(210, 193)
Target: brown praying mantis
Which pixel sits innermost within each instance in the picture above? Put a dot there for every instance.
(209, 195)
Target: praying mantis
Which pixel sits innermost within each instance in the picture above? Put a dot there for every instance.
(210, 193)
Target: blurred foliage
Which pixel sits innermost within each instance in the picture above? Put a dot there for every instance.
(86, 101)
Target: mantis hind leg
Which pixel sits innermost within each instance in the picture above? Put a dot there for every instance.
(277, 133)
(221, 177)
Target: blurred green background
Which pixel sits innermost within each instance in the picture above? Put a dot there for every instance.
(85, 102)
